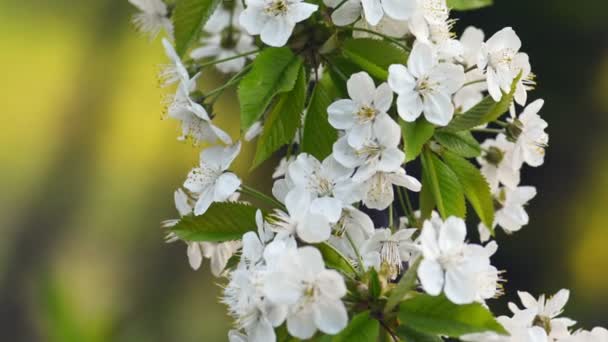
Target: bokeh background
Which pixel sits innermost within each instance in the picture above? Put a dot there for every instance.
(88, 166)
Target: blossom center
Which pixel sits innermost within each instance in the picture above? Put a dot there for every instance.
(426, 86)
(502, 58)
(366, 114)
(391, 259)
(276, 8)
(205, 175)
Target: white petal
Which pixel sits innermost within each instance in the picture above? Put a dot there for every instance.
(452, 234)
(347, 13)
(399, 79)
(329, 207)
(253, 19)
(301, 11)
(301, 324)
(438, 108)
(399, 9)
(430, 274)
(341, 114)
(195, 255)
(383, 97)
(409, 106)
(330, 316)
(315, 228)
(361, 88)
(373, 11)
(204, 201)
(225, 186)
(421, 60)
(277, 31)
(460, 286)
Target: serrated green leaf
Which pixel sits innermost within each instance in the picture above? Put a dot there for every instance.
(283, 121)
(335, 260)
(319, 136)
(447, 192)
(437, 315)
(406, 284)
(462, 143)
(476, 187)
(189, 17)
(465, 5)
(374, 56)
(362, 328)
(415, 135)
(407, 334)
(223, 221)
(274, 71)
(485, 111)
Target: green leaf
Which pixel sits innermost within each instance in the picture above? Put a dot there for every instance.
(465, 5)
(189, 17)
(375, 288)
(283, 121)
(447, 192)
(485, 111)
(476, 187)
(410, 335)
(415, 135)
(462, 143)
(373, 55)
(427, 202)
(274, 71)
(362, 328)
(437, 315)
(319, 136)
(223, 221)
(406, 284)
(335, 260)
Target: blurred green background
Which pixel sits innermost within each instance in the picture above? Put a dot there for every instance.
(88, 167)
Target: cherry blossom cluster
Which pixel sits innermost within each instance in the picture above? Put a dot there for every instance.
(316, 258)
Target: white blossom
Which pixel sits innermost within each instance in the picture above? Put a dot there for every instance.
(309, 226)
(329, 184)
(425, 86)
(312, 293)
(379, 192)
(274, 20)
(210, 182)
(502, 62)
(529, 132)
(152, 18)
(373, 11)
(449, 263)
(393, 249)
(498, 163)
(224, 17)
(379, 154)
(366, 106)
(511, 215)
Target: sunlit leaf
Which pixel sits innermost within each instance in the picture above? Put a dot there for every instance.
(223, 221)
(189, 17)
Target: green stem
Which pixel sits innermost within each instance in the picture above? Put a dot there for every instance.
(501, 123)
(391, 39)
(232, 81)
(391, 218)
(406, 206)
(473, 82)
(488, 130)
(359, 258)
(218, 61)
(262, 196)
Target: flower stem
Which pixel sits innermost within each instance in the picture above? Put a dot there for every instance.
(390, 39)
(218, 61)
(473, 82)
(488, 130)
(406, 205)
(232, 81)
(261, 196)
(359, 258)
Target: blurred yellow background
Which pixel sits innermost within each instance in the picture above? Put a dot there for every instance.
(88, 167)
